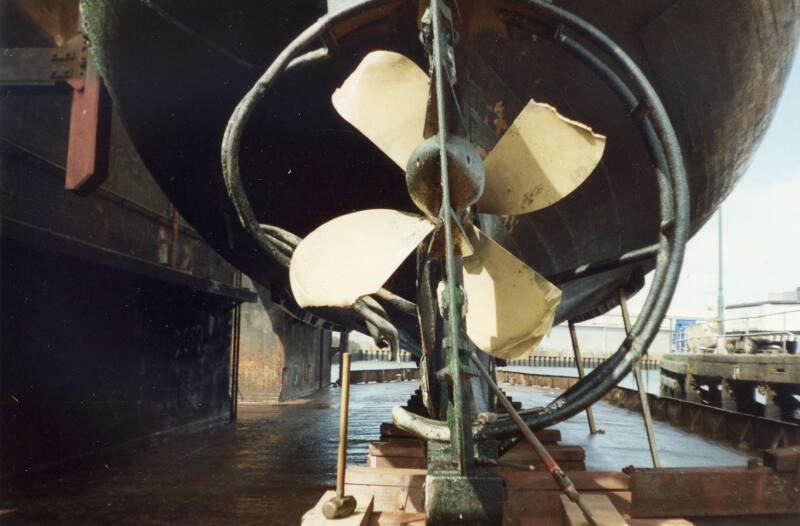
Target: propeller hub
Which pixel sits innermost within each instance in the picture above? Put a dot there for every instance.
(464, 167)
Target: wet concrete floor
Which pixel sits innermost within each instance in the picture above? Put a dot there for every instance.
(273, 464)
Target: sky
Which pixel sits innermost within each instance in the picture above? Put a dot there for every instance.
(761, 225)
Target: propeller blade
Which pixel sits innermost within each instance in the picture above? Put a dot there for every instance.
(353, 255)
(385, 98)
(541, 158)
(510, 307)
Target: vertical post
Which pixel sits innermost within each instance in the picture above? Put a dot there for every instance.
(720, 295)
(605, 334)
(670, 347)
(461, 428)
(579, 361)
(344, 342)
(341, 458)
(235, 345)
(637, 375)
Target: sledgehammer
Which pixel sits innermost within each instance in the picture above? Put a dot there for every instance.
(341, 505)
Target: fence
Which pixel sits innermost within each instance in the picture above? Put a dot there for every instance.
(374, 355)
(531, 361)
(567, 361)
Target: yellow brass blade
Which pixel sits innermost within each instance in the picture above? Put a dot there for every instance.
(353, 255)
(541, 158)
(510, 307)
(385, 98)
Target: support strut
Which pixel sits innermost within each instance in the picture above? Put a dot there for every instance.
(579, 362)
(637, 374)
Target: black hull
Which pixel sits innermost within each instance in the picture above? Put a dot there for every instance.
(177, 72)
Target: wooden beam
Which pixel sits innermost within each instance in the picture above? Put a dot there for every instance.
(600, 506)
(397, 518)
(583, 480)
(83, 128)
(523, 452)
(712, 492)
(366, 476)
(785, 459)
(398, 448)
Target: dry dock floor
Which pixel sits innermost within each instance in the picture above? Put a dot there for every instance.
(275, 462)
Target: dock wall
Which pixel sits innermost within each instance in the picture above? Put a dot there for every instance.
(280, 358)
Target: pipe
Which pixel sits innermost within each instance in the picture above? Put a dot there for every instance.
(629, 258)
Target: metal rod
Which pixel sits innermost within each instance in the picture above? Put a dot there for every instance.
(454, 303)
(637, 375)
(579, 362)
(235, 347)
(720, 292)
(629, 258)
(547, 459)
(343, 412)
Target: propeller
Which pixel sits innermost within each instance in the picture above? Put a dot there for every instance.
(541, 158)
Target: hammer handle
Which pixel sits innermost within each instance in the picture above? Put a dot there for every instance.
(343, 413)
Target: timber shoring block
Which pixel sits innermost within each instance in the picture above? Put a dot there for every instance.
(785, 459)
(364, 476)
(397, 518)
(524, 452)
(712, 492)
(388, 429)
(517, 480)
(538, 465)
(374, 461)
(583, 480)
(544, 507)
(668, 522)
(600, 506)
(403, 447)
(394, 489)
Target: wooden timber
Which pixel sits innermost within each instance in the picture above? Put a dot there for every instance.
(600, 506)
(785, 459)
(713, 492)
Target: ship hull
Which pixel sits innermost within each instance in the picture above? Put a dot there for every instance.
(176, 74)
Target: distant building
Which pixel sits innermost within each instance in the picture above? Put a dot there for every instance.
(792, 296)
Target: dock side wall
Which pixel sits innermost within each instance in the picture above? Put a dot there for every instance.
(280, 357)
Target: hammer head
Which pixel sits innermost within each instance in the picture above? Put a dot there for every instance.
(339, 507)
